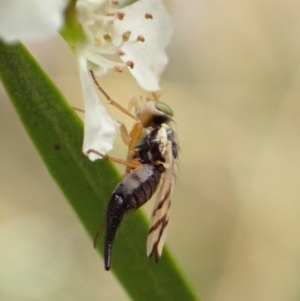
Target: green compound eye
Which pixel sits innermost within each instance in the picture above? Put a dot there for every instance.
(161, 106)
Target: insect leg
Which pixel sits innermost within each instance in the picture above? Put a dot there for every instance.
(97, 233)
(134, 103)
(131, 163)
(124, 134)
(111, 101)
(135, 136)
(136, 132)
(78, 109)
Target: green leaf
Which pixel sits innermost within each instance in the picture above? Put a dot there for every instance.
(57, 133)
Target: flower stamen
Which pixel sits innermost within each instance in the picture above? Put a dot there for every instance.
(107, 37)
(115, 3)
(148, 16)
(140, 38)
(120, 15)
(130, 64)
(126, 36)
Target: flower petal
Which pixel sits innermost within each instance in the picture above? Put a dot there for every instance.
(33, 19)
(148, 20)
(99, 127)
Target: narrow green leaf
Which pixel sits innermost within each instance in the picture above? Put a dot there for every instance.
(57, 134)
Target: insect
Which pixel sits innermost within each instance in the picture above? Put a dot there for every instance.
(151, 163)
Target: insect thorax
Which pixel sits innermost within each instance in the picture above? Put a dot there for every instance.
(151, 148)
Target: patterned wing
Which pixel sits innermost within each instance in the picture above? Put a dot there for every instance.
(160, 214)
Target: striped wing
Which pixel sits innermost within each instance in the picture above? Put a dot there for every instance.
(160, 214)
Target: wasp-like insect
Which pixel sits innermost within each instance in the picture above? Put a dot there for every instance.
(151, 163)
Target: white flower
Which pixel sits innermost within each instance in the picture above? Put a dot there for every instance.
(99, 127)
(119, 34)
(30, 19)
(133, 36)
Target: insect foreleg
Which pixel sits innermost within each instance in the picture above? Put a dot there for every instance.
(113, 102)
(134, 103)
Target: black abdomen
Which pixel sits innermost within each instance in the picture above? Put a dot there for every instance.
(135, 190)
(147, 179)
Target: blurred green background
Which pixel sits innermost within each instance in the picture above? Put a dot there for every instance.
(234, 84)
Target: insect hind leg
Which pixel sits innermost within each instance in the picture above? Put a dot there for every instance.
(97, 234)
